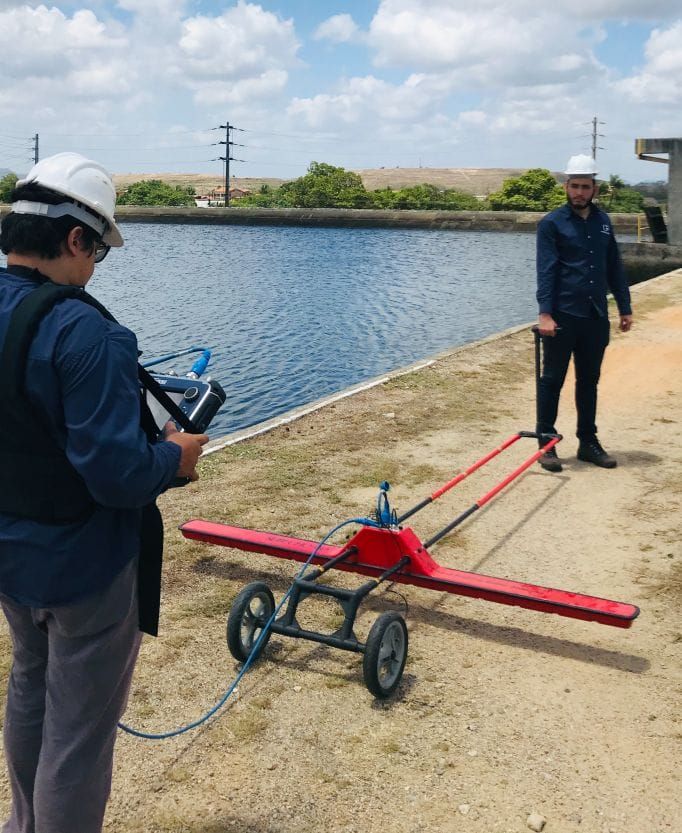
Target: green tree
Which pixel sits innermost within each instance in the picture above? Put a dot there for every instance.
(7, 184)
(269, 198)
(626, 200)
(426, 196)
(156, 192)
(325, 186)
(536, 190)
(609, 190)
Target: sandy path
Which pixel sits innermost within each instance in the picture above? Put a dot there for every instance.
(502, 712)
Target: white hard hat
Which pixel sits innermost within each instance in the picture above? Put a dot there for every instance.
(81, 180)
(581, 165)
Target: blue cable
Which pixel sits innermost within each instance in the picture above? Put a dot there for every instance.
(254, 651)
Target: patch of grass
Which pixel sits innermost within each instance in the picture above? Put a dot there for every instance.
(178, 774)
(144, 711)
(419, 380)
(335, 681)
(241, 451)
(391, 746)
(667, 584)
(422, 473)
(248, 725)
(177, 640)
(214, 603)
(375, 471)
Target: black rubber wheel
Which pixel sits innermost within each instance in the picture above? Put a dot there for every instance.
(385, 654)
(251, 609)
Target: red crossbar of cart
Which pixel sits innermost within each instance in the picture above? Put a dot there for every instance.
(372, 550)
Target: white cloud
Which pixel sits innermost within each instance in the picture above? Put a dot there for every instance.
(243, 42)
(367, 100)
(45, 42)
(660, 80)
(269, 83)
(485, 43)
(475, 118)
(339, 28)
(49, 57)
(156, 9)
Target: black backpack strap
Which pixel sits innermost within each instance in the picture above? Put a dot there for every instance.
(36, 479)
(149, 383)
(23, 327)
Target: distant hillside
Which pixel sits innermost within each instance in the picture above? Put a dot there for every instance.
(478, 181)
(202, 183)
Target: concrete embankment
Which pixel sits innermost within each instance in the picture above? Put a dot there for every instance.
(524, 221)
(648, 260)
(514, 221)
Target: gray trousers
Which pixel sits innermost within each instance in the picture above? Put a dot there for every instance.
(71, 674)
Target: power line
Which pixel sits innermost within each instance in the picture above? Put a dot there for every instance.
(119, 149)
(116, 135)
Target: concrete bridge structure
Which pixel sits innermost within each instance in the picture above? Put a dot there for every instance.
(651, 150)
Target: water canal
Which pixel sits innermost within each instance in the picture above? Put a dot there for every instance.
(293, 313)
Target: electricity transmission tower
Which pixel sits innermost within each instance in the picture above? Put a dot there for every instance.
(229, 144)
(595, 137)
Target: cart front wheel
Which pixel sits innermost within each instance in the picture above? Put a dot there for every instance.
(250, 611)
(385, 654)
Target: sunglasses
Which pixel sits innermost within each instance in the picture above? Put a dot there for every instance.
(101, 251)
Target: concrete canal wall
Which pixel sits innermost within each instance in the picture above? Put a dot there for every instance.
(524, 221)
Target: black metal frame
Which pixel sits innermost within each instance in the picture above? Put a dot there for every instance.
(350, 601)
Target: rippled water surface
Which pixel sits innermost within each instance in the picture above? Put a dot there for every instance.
(293, 314)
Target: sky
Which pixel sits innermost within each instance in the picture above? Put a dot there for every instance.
(145, 85)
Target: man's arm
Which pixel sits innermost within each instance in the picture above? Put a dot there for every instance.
(547, 262)
(105, 443)
(618, 283)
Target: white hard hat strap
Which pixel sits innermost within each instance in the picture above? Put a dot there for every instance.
(70, 209)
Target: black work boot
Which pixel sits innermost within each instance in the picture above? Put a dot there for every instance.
(550, 461)
(590, 451)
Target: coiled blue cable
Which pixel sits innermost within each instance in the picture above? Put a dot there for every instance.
(254, 651)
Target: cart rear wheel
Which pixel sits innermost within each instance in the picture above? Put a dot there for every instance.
(250, 611)
(385, 654)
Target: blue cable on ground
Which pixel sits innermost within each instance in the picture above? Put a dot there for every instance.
(254, 651)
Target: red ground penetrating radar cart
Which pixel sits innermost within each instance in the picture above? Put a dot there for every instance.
(386, 550)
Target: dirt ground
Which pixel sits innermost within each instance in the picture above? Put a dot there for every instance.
(505, 718)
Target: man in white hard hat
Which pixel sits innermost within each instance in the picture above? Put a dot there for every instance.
(78, 484)
(577, 264)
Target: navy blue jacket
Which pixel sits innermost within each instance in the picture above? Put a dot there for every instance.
(578, 262)
(82, 378)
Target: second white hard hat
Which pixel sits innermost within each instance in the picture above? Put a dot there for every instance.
(79, 179)
(581, 165)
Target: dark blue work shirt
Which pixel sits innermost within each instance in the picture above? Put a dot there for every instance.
(82, 379)
(578, 262)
